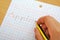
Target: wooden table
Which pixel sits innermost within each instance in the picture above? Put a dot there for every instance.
(54, 2)
(4, 4)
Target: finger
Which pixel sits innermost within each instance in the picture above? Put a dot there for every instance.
(48, 21)
(41, 20)
(45, 29)
(47, 34)
(37, 34)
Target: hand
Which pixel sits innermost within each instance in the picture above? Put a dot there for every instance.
(50, 26)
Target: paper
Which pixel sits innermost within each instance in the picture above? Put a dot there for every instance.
(4, 4)
(19, 22)
(18, 25)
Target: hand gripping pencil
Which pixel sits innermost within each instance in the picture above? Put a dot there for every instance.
(42, 32)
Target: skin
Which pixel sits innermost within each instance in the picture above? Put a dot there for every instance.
(50, 26)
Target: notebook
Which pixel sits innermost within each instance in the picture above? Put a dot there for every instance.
(19, 22)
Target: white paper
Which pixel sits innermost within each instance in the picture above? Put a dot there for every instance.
(19, 21)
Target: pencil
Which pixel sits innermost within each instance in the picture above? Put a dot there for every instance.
(41, 32)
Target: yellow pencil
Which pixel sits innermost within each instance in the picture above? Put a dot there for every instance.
(41, 32)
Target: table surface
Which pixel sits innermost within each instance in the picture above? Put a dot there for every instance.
(54, 2)
(4, 4)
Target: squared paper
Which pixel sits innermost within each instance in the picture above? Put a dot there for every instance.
(19, 22)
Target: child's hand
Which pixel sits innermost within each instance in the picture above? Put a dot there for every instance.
(50, 26)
